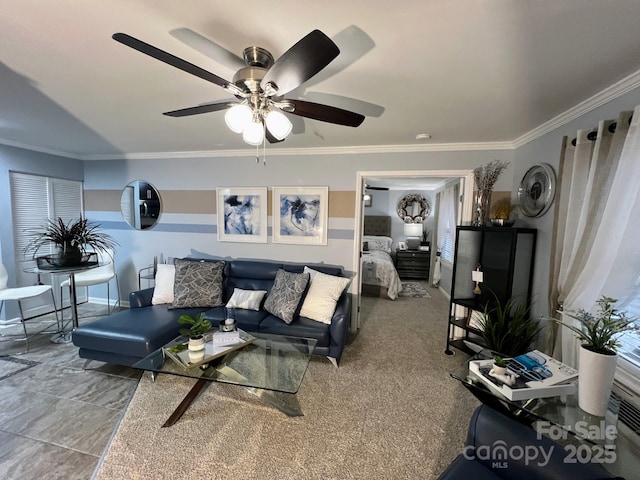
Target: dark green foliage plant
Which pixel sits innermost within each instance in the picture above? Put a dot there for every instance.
(507, 327)
(76, 234)
(198, 325)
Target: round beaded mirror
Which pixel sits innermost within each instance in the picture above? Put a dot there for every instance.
(413, 208)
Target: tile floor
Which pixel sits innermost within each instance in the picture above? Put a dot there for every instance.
(56, 418)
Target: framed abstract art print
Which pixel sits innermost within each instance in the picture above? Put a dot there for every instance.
(242, 214)
(300, 215)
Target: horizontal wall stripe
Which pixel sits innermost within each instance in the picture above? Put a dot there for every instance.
(106, 200)
(332, 233)
(341, 203)
(188, 201)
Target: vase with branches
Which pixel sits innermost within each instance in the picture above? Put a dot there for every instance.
(485, 177)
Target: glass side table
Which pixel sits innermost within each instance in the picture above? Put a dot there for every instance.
(586, 437)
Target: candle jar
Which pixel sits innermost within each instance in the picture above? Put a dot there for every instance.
(229, 324)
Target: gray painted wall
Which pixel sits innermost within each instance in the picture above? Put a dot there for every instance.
(338, 172)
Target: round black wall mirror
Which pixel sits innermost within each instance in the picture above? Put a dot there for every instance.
(140, 205)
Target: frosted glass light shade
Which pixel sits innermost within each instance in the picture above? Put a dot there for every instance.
(278, 124)
(413, 229)
(238, 117)
(253, 133)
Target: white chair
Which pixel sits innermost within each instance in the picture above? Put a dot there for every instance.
(22, 293)
(97, 276)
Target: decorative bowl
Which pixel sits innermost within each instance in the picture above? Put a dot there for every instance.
(502, 222)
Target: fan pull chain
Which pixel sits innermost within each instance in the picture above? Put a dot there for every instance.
(264, 150)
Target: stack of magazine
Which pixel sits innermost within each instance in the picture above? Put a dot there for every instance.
(217, 345)
(537, 376)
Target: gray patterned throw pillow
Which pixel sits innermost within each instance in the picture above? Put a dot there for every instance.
(197, 284)
(286, 293)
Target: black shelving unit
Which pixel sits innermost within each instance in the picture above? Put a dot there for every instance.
(506, 257)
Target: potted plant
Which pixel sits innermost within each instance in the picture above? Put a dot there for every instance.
(70, 239)
(425, 235)
(198, 327)
(501, 213)
(507, 327)
(599, 337)
(499, 365)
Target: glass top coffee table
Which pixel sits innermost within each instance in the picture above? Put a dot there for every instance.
(272, 367)
(561, 419)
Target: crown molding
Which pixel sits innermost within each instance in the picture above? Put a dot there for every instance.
(283, 152)
(48, 151)
(613, 91)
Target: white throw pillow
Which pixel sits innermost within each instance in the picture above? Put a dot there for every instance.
(163, 290)
(246, 299)
(378, 243)
(322, 297)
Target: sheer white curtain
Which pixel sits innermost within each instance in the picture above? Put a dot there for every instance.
(446, 228)
(594, 252)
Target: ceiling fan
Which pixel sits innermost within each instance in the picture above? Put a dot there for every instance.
(370, 187)
(260, 86)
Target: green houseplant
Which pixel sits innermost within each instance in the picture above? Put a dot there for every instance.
(507, 327)
(599, 337)
(499, 365)
(198, 326)
(71, 240)
(600, 332)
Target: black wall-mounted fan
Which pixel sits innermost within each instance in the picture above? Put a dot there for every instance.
(263, 82)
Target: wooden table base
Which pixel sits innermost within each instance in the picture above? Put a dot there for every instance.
(186, 402)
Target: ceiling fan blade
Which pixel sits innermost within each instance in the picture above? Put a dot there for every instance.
(168, 58)
(324, 113)
(301, 62)
(210, 107)
(209, 48)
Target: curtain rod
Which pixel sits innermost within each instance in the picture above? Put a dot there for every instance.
(593, 135)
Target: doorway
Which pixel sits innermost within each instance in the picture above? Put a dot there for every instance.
(466, 192)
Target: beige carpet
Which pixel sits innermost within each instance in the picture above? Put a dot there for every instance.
(390, 411)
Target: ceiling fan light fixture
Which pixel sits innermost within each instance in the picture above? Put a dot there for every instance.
(238, 117)
(278, 124)
(253, 133)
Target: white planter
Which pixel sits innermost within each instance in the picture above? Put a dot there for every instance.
(196, 344)
(196, 355)
(595, 380)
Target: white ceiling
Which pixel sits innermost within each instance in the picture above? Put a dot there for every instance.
(464, 71)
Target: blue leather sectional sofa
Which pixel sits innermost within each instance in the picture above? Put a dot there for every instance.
(496, 447)
(129, 335)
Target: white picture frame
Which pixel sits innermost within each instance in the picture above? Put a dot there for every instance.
(475, 319)
(242, 214)
(402, 246)
(300, 215)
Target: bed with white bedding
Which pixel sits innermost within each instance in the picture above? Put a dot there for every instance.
(378, 269)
